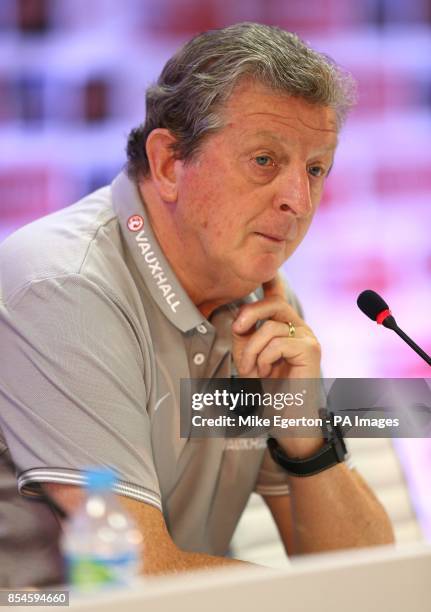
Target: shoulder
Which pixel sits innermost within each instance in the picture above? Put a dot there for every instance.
(58, 244)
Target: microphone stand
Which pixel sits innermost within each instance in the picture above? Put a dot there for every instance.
(390, 323)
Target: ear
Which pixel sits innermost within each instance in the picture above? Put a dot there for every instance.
(164, 169)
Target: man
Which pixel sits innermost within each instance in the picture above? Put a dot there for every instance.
(164, 275)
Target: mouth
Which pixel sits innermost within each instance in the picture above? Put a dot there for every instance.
(281, 234)
(271, 238)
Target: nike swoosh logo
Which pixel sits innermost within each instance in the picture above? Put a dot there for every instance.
(160, 401)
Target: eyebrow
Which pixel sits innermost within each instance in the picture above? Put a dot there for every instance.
(273, 136)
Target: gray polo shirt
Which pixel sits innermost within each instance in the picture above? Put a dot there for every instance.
(95, 334)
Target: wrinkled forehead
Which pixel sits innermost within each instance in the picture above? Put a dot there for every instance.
(291, 123)
(253, 106)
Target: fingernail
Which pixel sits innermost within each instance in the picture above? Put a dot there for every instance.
(238, 323)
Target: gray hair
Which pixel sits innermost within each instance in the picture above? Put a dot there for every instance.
(196, 82)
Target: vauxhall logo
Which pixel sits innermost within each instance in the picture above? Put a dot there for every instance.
(156, 271)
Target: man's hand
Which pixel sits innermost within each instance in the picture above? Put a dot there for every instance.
(333, 509)
(269, 352)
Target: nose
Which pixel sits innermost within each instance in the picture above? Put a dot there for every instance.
(293, 191)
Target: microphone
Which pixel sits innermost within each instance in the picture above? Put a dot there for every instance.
(375, 307)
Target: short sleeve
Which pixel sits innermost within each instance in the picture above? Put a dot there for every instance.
(271, 479)
(72, 388)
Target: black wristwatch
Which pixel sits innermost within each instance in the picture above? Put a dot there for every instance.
(333, 452)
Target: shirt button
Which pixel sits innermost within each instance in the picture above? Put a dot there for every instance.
(202, 329)
(198, 359)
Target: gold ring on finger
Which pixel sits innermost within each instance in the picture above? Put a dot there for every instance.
(292, 329)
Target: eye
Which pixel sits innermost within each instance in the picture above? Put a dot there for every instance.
(264, 161)
(316, 171)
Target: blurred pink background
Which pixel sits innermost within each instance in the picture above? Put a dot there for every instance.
(72, 82)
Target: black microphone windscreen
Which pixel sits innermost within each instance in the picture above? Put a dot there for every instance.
(371, 303)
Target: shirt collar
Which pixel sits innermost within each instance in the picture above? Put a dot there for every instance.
(152, 264)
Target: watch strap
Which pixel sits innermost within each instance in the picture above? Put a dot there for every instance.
(334, 451)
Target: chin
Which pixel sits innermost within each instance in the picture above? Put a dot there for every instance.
(258, 273)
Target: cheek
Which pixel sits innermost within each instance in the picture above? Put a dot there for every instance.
(305, 226)
(205, 219)
(211, 204)
(316, 192)
(217, 225)
(223, 232)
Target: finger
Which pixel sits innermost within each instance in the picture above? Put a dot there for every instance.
(274, 287)
(298, 352)
(257, 342)
(274, 308)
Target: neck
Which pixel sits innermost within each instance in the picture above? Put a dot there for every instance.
(207, 286)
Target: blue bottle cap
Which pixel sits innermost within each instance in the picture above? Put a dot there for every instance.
(100, 478)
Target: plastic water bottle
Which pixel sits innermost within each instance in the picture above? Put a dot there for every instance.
(101, 543)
